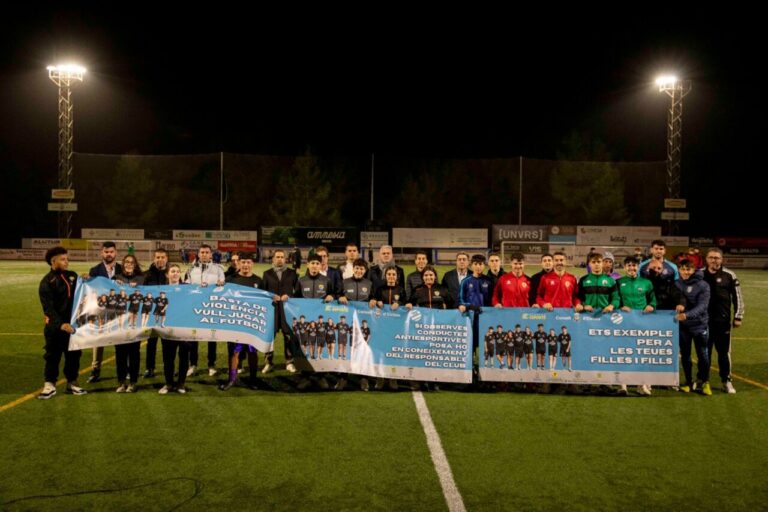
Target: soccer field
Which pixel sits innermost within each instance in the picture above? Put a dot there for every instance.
(282, 449)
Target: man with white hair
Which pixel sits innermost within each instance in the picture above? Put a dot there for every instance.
(386, 260)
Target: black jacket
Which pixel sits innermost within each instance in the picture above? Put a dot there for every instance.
(378, 279)
(57, 294)
(725, 292)
(154, 276)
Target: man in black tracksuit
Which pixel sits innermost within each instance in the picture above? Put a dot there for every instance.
(725, 295)
(357, 289)
(280, 281)
(57, 293)
(314, 285)
(155, 276)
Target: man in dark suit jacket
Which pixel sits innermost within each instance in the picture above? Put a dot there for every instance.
(386, 259)
(453, 278)
(280, 281)
(108, 268)
(333, 274)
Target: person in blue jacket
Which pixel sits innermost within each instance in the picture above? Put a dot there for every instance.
(694, 320)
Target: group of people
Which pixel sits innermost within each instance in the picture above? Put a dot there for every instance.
(707, 303)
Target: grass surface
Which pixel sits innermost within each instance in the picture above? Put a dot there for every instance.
(285, 450)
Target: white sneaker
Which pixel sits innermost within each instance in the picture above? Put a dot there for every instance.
(728, 388)
(323, 383)
(74, 389)
(212, 372)
(267, 368)
(364, 384)
(290, 367)
(192, 370)
(182, 390)
(131, 388)
(121, 388)
(643, 390)
(623, 390)
(164, 390)
(341, 384)
(49, 390)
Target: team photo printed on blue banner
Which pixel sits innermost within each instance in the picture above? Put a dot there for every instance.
(108, 313)
(562, 346)
(417, 344)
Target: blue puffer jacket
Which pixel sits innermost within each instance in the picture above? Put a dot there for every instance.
(696, 293)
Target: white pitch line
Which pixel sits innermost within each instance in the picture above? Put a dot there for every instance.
(442, 467)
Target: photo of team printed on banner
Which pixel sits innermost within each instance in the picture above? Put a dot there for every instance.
(113, 311)
(327, 339)
(515, 349)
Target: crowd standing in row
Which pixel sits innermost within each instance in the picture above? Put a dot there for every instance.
(707, 303)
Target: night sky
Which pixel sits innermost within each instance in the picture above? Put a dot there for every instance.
(444, 84)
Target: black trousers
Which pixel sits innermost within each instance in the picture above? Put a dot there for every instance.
(56, 345)
(169, 359)
(720, 339)
(151, 353)
(281, 324)
(128, 361)
(194, 353)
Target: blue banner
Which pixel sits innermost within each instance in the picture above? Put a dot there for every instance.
(420, 344)
(107, 313)
(587, 348)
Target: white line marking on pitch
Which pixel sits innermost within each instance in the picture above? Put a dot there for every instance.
(450, 491)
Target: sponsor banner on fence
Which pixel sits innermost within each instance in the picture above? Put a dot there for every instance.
(515, 233)
(107, 313)
(374, 238)
(447, 238)
(249, 245)
(579, 348)
(676, 241)
(330, 237)
(158, 234)
(112, 234)
(189, 234)
(22, 254)
(39, 243)
(420, 344)
(617, 235)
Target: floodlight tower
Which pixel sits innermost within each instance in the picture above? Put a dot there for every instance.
(676, 89)
(64, 76)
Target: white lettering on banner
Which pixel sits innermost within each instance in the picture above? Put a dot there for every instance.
(631, 333)
(515, 235)
(229, 311)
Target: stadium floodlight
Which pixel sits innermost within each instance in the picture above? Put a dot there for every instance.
(665, 81)
(676, 89)
(64, 76)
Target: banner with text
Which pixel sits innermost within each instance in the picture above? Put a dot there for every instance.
(108, 313)
(561, 346)
(420, 344)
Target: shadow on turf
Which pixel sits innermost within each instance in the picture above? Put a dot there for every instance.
(148, 495)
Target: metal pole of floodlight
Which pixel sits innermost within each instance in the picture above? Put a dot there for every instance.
(64, 76)
(676, 89)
